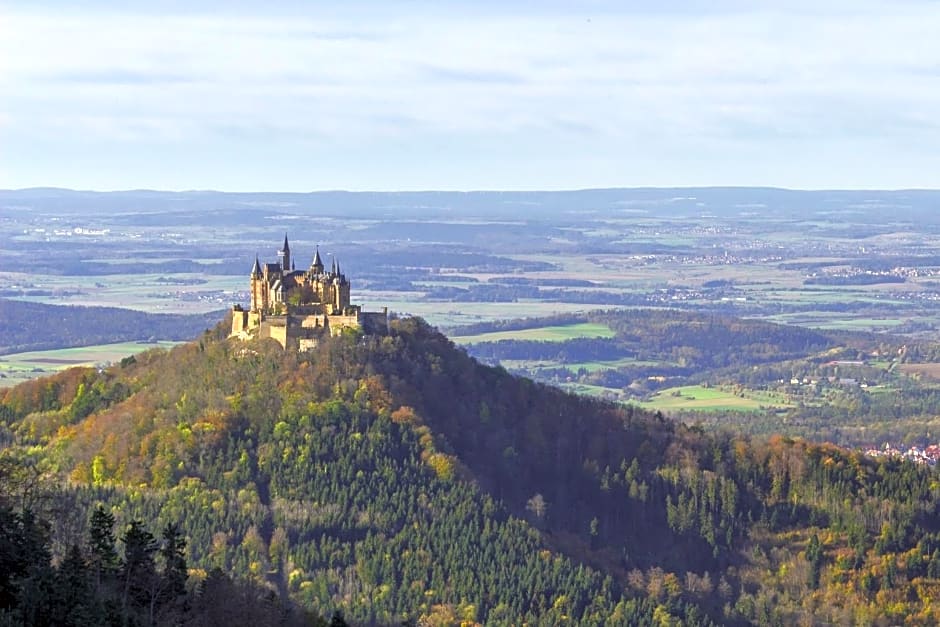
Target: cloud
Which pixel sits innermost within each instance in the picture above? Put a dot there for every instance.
(468, 75)
(571, 85)
(118, 76)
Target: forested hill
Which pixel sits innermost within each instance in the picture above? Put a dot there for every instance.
(26, 326)
(395, 478)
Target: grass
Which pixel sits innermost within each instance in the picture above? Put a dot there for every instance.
(696, 397)
(930, 370)
(590, 390)
(588, 366)
(19, 367)
(544, 334)
(594, 366)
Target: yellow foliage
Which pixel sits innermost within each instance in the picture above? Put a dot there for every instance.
(98, 470)
(443, 465)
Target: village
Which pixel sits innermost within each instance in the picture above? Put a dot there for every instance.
(928, 455)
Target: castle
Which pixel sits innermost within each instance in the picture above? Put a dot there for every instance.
(296, 307)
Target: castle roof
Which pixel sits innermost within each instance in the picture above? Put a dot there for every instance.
(317, 263)
(286, 245)
(256, 269)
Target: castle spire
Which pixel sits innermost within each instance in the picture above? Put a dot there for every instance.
(256, 269)
(317, 266)
(283, 255)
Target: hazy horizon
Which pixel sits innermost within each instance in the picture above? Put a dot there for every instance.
(546, 190)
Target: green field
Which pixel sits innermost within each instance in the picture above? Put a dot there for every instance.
(587, 366)
(18, 367)
(696, 397)
(544, 334)
(591, 390)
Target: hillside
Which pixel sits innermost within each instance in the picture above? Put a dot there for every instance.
(756, 377)
(395, 478)
(26, 326)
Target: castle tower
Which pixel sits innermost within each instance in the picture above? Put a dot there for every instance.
(283, 256)
(317, 266)
(256, 286)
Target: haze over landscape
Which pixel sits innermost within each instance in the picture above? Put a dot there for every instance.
(469, 313)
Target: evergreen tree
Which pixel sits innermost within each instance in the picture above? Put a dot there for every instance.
(175, 571)
(75, 603)
(138, 573)
(102, 555)
(814, 555)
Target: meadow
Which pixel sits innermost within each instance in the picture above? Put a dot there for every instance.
(714, 398)
(18, 367)
(559, 333)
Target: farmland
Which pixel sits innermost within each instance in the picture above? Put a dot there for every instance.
(541, 334)
(19, 367)
(724, 398)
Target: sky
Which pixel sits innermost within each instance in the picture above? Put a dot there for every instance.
(380, 95)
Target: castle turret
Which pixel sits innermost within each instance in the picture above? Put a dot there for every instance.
(283, 256)
(317, 266)
(257, 286)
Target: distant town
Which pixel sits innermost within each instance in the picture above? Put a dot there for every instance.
(928, 455)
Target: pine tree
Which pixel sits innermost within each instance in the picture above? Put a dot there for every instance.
(75, 601)
(138, 571)
(102, 556)
(175, 571)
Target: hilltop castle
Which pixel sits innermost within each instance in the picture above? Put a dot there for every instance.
(296, 307)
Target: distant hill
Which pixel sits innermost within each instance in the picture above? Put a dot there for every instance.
(26, 326)
(397, 479)
(226, 206)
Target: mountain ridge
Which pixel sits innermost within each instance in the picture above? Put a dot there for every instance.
(906, 204)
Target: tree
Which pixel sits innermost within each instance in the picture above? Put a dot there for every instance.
(138, 572)
(537, 506)
(75, 602)
(26, 582)
(170, 589)
(814, 555)
(102, 556)
(172, 551)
